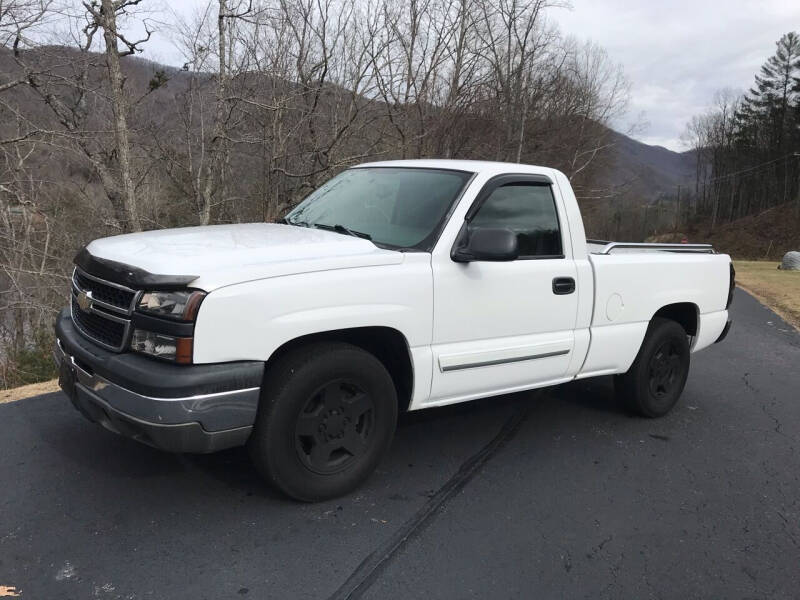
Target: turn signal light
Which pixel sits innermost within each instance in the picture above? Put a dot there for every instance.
(166, 347)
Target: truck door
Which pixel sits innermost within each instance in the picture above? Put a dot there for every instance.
(505, 326)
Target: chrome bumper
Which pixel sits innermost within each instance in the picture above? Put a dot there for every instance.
(201, 423)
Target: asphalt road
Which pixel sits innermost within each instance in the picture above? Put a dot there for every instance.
(525, 496)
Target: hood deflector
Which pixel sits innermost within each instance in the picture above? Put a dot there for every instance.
(128, 275)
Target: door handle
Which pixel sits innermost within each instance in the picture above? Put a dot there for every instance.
(563, 286)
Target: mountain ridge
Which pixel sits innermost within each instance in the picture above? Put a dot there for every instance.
(649, 171)
(632, 168)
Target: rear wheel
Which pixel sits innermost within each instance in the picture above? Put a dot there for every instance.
(656, 379)
(327, 415)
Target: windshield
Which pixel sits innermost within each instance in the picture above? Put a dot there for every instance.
(397, 207)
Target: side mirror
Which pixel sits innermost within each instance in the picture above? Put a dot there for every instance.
(486, 244)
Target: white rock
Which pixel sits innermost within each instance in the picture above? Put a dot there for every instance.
(791, 261)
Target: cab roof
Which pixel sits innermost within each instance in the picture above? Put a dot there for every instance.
(469, 166)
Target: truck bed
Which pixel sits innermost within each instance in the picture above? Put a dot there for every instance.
(632, 281)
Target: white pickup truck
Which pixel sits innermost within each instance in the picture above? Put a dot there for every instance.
(395, 286)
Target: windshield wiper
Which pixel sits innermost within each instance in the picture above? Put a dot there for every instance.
(297, 223)
(342, 229)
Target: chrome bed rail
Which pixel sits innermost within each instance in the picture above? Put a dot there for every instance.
(608, 247)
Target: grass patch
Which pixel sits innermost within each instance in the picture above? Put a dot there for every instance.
(780, 290)
(27, 391)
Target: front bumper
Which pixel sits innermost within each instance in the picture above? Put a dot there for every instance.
(179, 408)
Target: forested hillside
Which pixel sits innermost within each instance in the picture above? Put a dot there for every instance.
(275, 97)
(738, 185)
(747, 151)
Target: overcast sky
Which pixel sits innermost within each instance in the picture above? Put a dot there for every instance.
(676, 53)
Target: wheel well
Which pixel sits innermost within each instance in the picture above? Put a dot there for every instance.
(683, 313)
(388, 345)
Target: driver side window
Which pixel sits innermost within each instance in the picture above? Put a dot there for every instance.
(529, 210)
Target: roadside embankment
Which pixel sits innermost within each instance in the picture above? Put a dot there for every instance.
(26, 391)
(780, 290)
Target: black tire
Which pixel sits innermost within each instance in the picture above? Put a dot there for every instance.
(655, 381)
(327, 415)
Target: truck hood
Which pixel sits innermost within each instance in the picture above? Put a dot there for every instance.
(220, 255)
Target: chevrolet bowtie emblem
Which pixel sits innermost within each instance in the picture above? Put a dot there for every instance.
(85, 301)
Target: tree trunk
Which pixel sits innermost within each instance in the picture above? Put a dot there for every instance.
(213, 180)
(130, 219)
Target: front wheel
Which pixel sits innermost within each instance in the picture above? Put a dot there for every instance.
(327, 416)
(655, 381)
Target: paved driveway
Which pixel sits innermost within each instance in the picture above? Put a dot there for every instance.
(525, 496)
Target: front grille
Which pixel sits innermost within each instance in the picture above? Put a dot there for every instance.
(106, 318)
(108, 333)
(118, 297)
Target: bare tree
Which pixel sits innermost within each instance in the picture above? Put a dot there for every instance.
(601, 95)
(104, 17)
(275, 97)
(69, 84)
(201, 165)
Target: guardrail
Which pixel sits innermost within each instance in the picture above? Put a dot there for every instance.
(687, 248)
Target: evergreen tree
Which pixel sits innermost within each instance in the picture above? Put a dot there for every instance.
(752, 162)
(768, 117)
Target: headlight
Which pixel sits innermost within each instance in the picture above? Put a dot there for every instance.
(162, 337)
(168, 347)
(180, 305)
